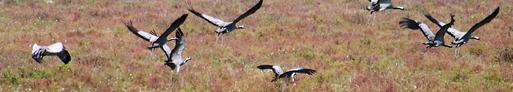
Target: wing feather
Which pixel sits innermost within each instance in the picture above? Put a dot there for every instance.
(249, 12)
(209, 19)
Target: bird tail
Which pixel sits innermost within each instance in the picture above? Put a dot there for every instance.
(409, 23)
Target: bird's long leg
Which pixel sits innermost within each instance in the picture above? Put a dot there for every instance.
(426, 49)
(283, 86)
(222, 39)
(371, 18)
(152, 55)
(217, 37)
(424, 52)
(456, 53)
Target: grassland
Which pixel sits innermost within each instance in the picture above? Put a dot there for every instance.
(333, 36)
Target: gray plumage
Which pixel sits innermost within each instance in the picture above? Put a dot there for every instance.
(452, 31)
(149, 37)
(175, 60)
(468, 35)
(433, 40)
(278, 72)
(160, 41)
(56, 49)
(381, 5)
(225, 27)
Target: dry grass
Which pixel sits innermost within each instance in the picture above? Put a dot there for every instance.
(333, 36)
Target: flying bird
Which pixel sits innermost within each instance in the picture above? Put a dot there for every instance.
(175, 60)
(56, 49)
(278, 72)
(452, 31)
(381, 5)
(149, 37)
(434, 40)
(463, 37)
(160, 41)
(226, 27)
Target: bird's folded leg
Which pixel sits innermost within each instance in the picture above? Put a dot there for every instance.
(447, 46)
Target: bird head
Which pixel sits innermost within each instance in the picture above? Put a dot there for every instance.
(241, 27)
(400, 8)
(475, 37)
(188, 59)
(172, 39)
(170, 65)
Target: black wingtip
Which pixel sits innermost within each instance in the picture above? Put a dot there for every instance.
(496, 11)
(264, 66)
(194, 12)
(311, 71)
(66, 58)
(170, 65)
(409, 23)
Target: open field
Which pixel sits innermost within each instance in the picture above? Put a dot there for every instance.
(333, 36)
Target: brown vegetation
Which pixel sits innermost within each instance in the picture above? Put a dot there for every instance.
(332, 36)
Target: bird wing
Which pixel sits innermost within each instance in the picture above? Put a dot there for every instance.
(141, 34)
(36, 53)
(55, 48)
(64, 56)
(412, 24)
(441, 33)
(35, 48)
(298, 70)
(249, 12)
(276, 69)
(452, 31)
(483, 22)
(172, 27)
(209, 19)
(179, 45)
(165, 48)
(432, 19)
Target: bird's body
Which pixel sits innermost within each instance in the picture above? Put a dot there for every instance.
(381, 5)
(226, 27)
(468, 35)
(433, 40)
(175, 61)
(56, 49)
(149, 37)
(279, 73)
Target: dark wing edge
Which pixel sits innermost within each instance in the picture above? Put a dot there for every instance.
(249, 12)
(304, 70)
(172, 27)
(134, 30)
(441, 33)
(409, 23)
(202, 17)
(432, 19)
(65, 57)
(488, 19)
(263, 67)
